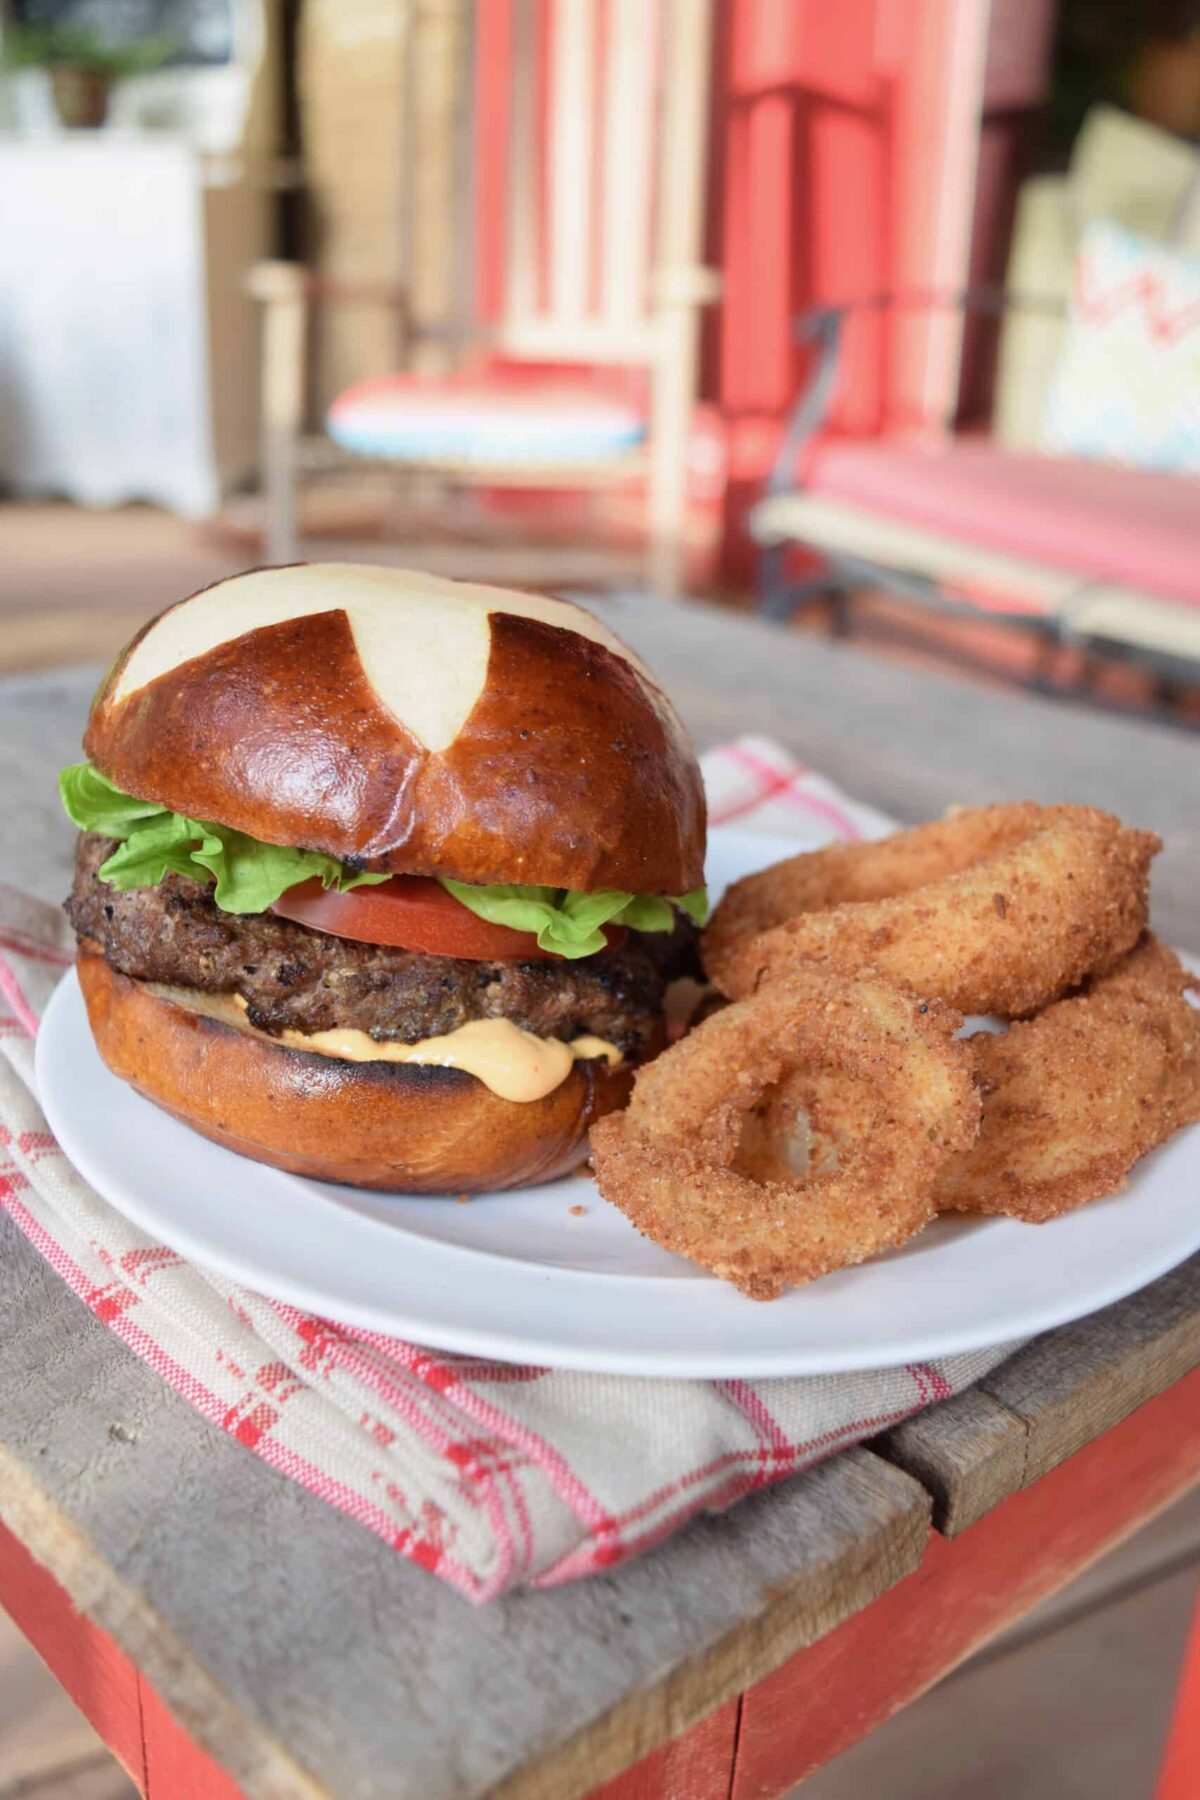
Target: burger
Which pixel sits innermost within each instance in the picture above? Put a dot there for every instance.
(382, 878)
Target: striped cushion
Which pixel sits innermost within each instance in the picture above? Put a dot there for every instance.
(1127, 384)
(492, 420)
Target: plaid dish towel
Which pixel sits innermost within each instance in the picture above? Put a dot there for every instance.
(489, 1475)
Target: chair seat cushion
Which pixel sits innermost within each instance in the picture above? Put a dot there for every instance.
(1137, 528)
(965, 574)
(499, 417)
(991, 583)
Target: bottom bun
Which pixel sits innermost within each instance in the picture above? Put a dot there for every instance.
(397, 1126)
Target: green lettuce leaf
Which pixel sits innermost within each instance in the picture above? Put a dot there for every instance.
(248, 876)
(570, 924)
(695, 905)
(94, 804)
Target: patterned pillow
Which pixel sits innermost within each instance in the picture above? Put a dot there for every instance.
(1126, 387)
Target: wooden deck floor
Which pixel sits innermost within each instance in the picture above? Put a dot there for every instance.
(74, 585)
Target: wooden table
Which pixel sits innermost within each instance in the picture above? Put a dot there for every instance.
(203, 1611)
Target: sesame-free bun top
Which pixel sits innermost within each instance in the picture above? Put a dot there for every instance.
(411, 723)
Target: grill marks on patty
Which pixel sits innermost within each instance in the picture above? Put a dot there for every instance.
(296, 979)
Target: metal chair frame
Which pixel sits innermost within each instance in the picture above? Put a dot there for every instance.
(779, 599)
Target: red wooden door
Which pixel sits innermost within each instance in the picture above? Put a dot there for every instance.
(844, 150)
(844, 166)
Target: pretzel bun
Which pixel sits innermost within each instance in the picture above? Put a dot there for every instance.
(402, 722)
(374, 1124)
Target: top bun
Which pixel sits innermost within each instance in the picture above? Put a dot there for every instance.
(403, 722)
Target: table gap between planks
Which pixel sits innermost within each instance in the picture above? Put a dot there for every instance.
(199, 1606)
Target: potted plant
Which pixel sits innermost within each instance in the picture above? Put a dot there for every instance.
(82, 64)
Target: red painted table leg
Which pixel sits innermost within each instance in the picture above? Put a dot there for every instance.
(176, 1768)
(966, 1589)
(696, 1766)
(118, 1703)
(101, 1681)
(1179, 1778)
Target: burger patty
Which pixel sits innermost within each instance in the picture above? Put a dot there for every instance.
(296, 979)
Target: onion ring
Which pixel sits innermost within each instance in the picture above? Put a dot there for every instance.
(712, 1113)
(1073, 1098)
(995, 909)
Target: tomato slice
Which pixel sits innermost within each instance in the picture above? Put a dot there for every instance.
(412, 912)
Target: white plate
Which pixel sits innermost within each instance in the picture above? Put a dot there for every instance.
(523, 1278)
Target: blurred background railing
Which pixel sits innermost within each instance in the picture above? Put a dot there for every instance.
(526, 274)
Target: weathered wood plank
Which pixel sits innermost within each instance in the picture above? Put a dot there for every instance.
(828, 1697)
(849, 1539)
(307, 1657)
(1081, 1380)
(1040, 1406)
(969, 1453)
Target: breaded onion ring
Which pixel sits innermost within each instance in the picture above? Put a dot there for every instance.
(713, 1112)
(994, 909)
(1073, 1098)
